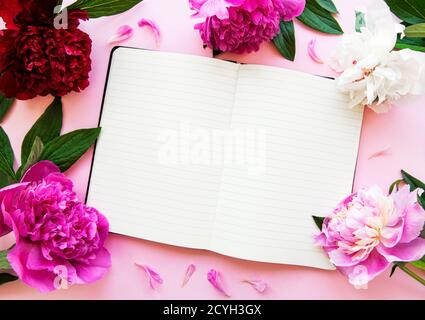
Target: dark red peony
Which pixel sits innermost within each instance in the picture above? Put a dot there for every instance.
(37, 59)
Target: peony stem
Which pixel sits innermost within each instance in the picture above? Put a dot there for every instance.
(411, 273)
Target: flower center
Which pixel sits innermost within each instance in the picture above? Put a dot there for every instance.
(365, 73)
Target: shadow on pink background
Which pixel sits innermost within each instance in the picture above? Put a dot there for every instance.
(402, 130)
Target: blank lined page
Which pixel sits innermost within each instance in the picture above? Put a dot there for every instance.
(208, 154)
(305, 141)
(142, 178)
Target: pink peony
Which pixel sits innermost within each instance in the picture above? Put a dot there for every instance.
(240, 26)
(56, 235)
(370, 229)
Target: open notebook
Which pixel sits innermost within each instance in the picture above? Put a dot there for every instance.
(209, 154)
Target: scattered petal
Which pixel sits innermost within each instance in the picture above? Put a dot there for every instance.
(258, 285)
(214, 277)
(311, 49)
(153, 276)
(380, 153)
(123, 33)
(156, 31)
(189, 272)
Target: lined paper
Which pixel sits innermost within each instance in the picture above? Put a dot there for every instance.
(311, 146)
(293, 148)
(149, 95)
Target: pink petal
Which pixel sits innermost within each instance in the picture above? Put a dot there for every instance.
(153, 276)
(292, 9)
(210, 8)
(7, 218)
(340, 259)
(403, 199)
(380, 153)
(30, 265)
(5, 221)
(319, 239)
(97, 268)
(42, 279)
(39, 171)
(367, 270)
(151, 24)
(214, 277)
(311, 49)
(258, 285)
(391, 235)
(413, 223)
(411, 251)
(236, 3)
(196, 4)
(414, 216)
(123, 33)
(189, 272)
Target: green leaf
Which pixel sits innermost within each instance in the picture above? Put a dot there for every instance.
(4, 263)
(36, 151)
(5, 278)
(393, 269)
(417, 44)
(318, 221)
(5, 168)
(65, 150)
(360, 21)
(328, 5)
(285, 40)
(5, 180)
(5, 105)
(6, 174)
(413, 182)
(394, 185)
(319, 19)
(416, 31)
(410, 273)
(101, 8)
(395, 266)
(34, 156)
(420, 263)
(47, 127)
(6, 148)
(411, 11)
(401, 46)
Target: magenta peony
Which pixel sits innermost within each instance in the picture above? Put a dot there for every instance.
(56, 235)
(369, 230)
(38, 59)
(240, 26)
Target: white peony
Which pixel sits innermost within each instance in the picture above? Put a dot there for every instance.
(372, 73)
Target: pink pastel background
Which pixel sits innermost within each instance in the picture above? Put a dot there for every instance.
(402, 130)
